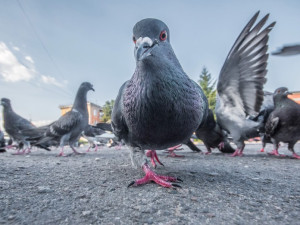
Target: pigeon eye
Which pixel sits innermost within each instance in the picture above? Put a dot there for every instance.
(133, 39)
(163, 35)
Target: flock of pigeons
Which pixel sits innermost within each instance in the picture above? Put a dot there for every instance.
(161, 107)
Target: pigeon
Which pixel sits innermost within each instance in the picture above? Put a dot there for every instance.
(2, 142)
(90, 133)
(212, 135)
(68, 128)
(14, 126)
(157, 101)
(241, 81)
(283, 124)
(288, 50)
(266, 109)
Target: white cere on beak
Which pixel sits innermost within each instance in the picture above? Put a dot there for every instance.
(143, 40)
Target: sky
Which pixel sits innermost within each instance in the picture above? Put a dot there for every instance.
(48, 48)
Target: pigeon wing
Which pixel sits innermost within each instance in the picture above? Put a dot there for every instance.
(65, 123)
(242, 76)
(119, 126)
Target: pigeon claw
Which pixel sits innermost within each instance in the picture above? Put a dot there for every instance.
(131, 183)
(164, 181)
(176, 185)
(178, 179)
(262, 150)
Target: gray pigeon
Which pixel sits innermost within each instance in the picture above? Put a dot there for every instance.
(2, 142)
(157, 101)
(240, 84)
(14, 125)
(287, 50)
(68, 128)
(283, 123)
(266, 109)
(90, 133)
(212, 135)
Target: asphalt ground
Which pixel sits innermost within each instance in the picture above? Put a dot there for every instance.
(41, 188)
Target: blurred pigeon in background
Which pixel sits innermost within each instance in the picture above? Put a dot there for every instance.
(68, 128)
(2, 142)
(90, 133)
(266, 109)
(212, 135)
(241, 81)
(288, 50)
(14, 126)
(283, 124)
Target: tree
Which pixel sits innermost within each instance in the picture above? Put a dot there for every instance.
(208, 86)
(107, 110)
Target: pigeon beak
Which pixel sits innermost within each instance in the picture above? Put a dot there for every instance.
(92, 89)
(143, 48)
(288, 93)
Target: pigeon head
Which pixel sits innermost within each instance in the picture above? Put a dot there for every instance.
(151, 38)
(280, 93)
(5, 102)
(86, 86)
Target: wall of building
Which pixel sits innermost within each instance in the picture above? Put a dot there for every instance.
(94, 112)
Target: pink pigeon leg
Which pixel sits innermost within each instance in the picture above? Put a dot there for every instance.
(275, 152)
(238, 152)
(296, 156)
(153, 155)
(61, 153)
(88, 150)
(221, 145)
(75, 151)
(172, 153)
(152, 176)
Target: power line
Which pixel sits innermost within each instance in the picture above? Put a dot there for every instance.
(40, 40)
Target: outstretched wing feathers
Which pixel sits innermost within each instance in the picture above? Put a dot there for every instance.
(243, 74)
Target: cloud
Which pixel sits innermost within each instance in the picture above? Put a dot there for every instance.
(29, 59)
(17, 49)
(11, 70)
(51, 80)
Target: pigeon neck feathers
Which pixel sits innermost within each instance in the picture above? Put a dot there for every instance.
(80, 103)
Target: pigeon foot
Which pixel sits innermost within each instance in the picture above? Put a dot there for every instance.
(221, 145)
(19, 153)
(172, 153)
(296, 156)
(153, 155)
(275, 152)
(237, 152)
(161, 180)
(262, 150)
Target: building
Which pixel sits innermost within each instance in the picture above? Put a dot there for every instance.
(94, 110)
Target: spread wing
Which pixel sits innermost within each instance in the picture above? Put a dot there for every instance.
(242, 76)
